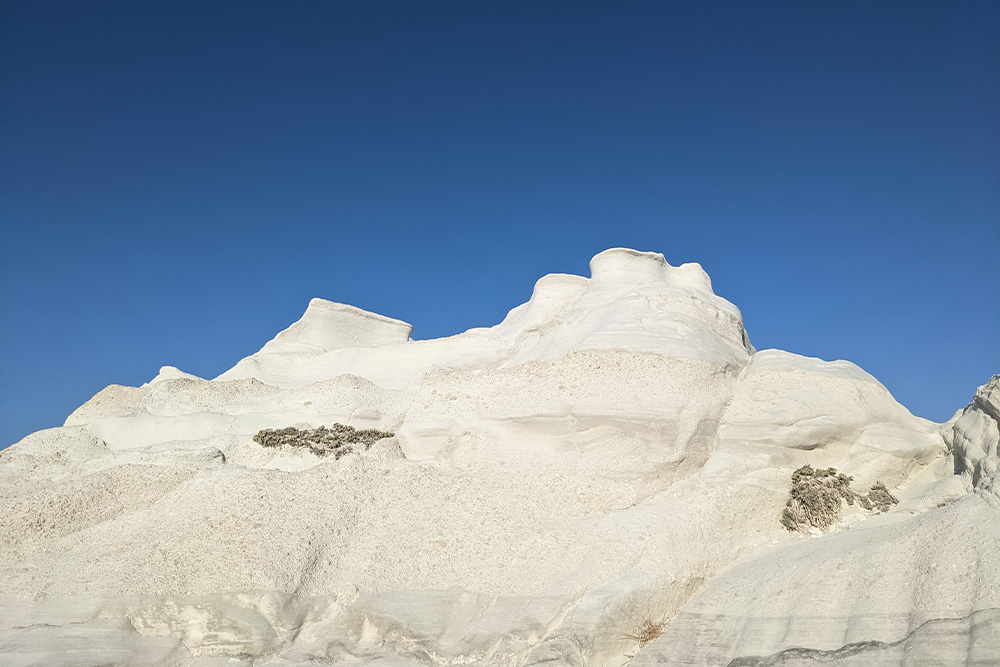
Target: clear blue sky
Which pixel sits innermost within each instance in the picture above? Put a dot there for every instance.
(177, 180)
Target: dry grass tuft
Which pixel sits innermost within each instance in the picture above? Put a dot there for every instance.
(647, 631)
(644, 631)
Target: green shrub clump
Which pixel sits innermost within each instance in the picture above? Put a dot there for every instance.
(337, 440)
(817, 495)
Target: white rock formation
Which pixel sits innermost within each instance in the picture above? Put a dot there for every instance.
(614, 452)
(976, 439)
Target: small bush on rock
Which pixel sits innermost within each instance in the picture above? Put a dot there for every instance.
(337, 440)
(878, 498)
(816, 498)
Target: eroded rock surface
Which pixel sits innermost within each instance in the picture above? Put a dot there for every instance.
(613, 455)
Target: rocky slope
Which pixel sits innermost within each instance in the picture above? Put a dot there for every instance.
(613, 456)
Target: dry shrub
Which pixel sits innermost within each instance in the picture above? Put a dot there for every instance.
(817, 496)
(337, 440)
(878, 498)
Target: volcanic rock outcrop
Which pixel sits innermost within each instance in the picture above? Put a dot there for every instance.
(606, 466)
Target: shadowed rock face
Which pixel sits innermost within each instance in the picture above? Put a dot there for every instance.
(976, 438)
(613, 455)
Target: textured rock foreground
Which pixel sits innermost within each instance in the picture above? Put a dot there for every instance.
(613, 457)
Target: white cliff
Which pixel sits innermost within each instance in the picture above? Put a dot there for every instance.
(613, 452)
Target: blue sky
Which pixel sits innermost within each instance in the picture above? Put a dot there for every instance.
(176, 182)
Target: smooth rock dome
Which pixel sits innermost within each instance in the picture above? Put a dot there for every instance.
(327, 325)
